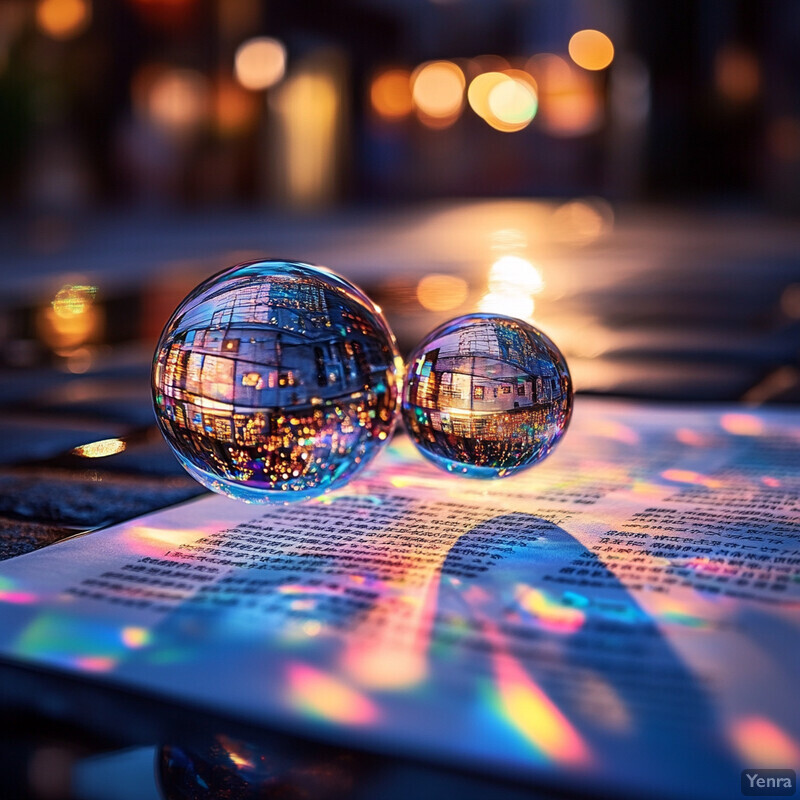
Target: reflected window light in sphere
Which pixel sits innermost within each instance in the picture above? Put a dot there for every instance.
(437, 292)
(438, 92)
(63, 19)
(260, 63)
(486, 396)
(390, 94)
(591, 50)
(275, 381)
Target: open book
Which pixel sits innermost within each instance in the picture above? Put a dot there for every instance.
(623, 617)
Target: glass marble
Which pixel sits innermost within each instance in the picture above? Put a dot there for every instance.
(276, 381)
(486, 396)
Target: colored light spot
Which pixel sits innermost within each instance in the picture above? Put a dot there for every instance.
(528, 709)
(742, 424)
(591, 49)
(610, 429)
(688, 476)
(761, 741)
(326, 697)
(135, 637)
(551, 613)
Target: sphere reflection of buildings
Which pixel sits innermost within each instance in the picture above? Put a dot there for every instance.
(272, 372)
(488, 394)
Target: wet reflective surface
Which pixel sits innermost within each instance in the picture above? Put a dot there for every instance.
(486, 396)
(275, 381)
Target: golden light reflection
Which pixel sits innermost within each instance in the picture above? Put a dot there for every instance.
(437, 89)
(512, 275)
(100, 449)
(260, 63)
(327, 697)
(70, 320)
(438, 292)
(63, 19)
(519, 306)
(591, 49)
(581, 222)
(390, 94)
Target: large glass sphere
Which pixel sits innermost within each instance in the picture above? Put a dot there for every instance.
(486, 396)
(275, 381)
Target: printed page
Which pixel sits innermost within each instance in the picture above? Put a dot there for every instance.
(621, 617)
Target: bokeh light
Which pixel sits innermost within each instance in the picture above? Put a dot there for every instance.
(178, 99)
(591, 49)
(441, 292)
(260, 63)
(390, 94)
(737, 75)
(438, 92)
(513, 102)
(512, 275)
(63, 19)
(520, 306)
(580, 222)
(570, 102)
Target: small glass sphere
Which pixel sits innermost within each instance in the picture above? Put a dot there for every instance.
(275, 381)
(486, 396)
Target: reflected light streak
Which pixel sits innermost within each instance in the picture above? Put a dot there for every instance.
(688, 476)
(8, 594)
(326, 697)
(761, 741)
(100, 449)
(535, 716)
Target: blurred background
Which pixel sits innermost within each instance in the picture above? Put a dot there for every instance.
(626, 175)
